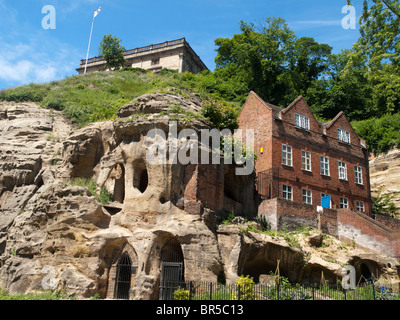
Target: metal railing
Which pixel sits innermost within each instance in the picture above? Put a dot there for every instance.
(201, 290)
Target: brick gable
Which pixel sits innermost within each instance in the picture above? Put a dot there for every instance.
(300, 106)
(275, 126)
(341, 121)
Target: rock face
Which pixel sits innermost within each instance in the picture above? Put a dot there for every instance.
(384, 174)
(162, 215)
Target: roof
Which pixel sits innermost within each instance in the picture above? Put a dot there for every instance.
(278, 111)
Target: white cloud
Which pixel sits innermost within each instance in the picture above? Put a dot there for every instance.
(310, 24)
(40, 60)
(26, 71)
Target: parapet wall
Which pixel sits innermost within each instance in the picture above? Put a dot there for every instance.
(342, 223)
(368, 233)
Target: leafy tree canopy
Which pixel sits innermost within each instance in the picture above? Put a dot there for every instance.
(270, 60)
(112, 51)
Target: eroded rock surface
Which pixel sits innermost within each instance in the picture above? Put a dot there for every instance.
(54, 234)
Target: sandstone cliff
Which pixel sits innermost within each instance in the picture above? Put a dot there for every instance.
(385, 173)
(55, 234)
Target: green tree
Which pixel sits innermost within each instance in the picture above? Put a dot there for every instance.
(270, 60)
(350, 90)
(112, 51)
(309, 62)
(379, 48)
(379, 33)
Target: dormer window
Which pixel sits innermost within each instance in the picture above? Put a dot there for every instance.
(343, 135)
(301, 121)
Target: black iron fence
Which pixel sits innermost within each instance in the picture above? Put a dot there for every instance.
(194, 290)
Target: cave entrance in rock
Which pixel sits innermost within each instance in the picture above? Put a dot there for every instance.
(366, 275)
(257, 267)
(119, 185)
(123, 277)
(141, 176)
(172, 269)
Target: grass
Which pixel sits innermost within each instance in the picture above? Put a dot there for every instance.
(45, 295)
(98, 96)
(104, 197)
(288, 236)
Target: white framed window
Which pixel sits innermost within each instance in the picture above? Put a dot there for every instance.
(306, 160)
(301, 121)
(324, 165)
(343, 135)
(307, 196)
(343, 203)
(360, 206)
(287, 192)
(358, 174)
(286, 155)
(342, 170)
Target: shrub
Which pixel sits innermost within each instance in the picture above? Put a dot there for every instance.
(229, 218)
(104, 197)
(80, 86)
(166, 71)
(136, 70)
(244, 288)
(381, 134)
(383, 204)
(221, 115)
(53, 103)
(32, 92)
(181, 294)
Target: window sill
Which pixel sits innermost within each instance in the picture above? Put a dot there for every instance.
(301, 128)
(344, 142)
(287, 165)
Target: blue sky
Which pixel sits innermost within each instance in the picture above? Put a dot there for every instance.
(29, 53)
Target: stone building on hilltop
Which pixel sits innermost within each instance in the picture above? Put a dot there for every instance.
(175, 55)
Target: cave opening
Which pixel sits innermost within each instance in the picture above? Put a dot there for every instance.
(141, 176)
(119, 185)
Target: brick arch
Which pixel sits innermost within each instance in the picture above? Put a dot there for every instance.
(117, 255)
(131, 252)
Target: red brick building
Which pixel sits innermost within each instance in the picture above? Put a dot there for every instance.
(302, 159)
